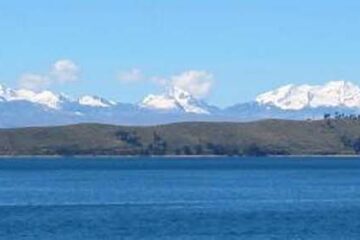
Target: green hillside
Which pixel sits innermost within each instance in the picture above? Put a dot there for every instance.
(268, 137)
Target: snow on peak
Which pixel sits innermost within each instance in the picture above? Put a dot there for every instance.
(175, 99)
(94, 101)
(296, 97)
(49, 99)
(161, 102)
(46, 98)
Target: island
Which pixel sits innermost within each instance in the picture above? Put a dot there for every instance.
(259, 138)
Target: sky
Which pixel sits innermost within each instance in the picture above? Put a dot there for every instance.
(223, 51)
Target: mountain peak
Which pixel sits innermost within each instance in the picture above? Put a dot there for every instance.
(179, 93)
(176, 99)
(295, 97)
(94, 101)
(46, 98)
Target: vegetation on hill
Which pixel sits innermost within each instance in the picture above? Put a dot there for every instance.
(267, 137)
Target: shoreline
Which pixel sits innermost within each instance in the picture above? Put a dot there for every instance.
(181, 156)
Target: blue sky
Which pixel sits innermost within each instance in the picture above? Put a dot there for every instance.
(243, 47)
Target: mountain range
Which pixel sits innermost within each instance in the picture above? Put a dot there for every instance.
(23, 108)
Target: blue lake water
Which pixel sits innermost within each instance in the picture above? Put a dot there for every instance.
(183, 198)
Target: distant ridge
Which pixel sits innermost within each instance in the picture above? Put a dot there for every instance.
(269, 137)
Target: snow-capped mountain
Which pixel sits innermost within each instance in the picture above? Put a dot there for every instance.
(22, 107)
(95, 101)
(332, 94)
(50, 99)
(45, 98)
(176, 99)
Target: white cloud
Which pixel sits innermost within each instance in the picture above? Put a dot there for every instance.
(62, 71)
(197, 83)
(34, 82)
(131, 76)
(65, 70)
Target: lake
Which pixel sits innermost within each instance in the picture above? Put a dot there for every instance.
(180, 198)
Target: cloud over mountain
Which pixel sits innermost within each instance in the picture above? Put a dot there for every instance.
(61, 71)
(197, 83)
(64, 70)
